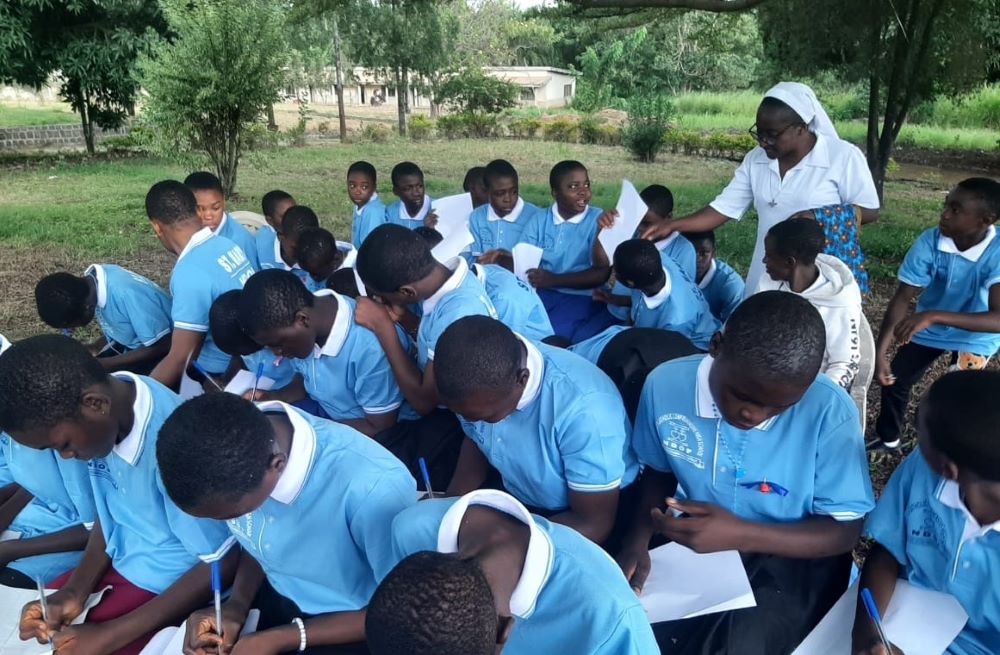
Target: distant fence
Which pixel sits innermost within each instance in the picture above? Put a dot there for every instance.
(51, 136)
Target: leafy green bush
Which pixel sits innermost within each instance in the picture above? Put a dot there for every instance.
(524, 128)
(590, 128)
(472, 91)
(375, 133)
(469, 126)
(646, 131)
(561, 129)
(421, 127)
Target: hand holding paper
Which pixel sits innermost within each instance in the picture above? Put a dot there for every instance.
(526, 257)
(452, 213)
(630, 209)
(243, 382)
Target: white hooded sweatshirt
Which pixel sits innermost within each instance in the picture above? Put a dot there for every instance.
(837, 296)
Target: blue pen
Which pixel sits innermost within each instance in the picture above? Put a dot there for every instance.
(217, 594)
(866, 598)
(427, 477)
(256, 381)
(198, 367)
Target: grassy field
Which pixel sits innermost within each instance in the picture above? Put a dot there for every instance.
(26, 115)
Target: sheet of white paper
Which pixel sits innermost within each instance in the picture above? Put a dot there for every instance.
(919, 621)
(243, 381)
(453, 245)
(526, 257)
(631, 209)
(9, 535)
(11, 602)
(189, 388)
(683, 584)
(452, 213)
(170, 641)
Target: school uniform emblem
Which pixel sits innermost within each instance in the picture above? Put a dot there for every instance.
(681, 439)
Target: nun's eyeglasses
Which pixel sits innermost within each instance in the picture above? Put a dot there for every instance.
(769, 136)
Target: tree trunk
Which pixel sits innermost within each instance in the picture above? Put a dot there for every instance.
(87, 124)
(401, 99)
(339, 87)
(272, 125)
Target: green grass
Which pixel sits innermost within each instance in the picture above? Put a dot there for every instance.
(31, 115)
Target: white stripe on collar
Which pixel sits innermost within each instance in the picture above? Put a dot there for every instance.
(950, 495)
(512, 217)
(222, 223)
(101, 280)
(198, 238)
(704, 402)
(358, 210)
(300, 454)
(946, 244)
(575, 220)
(709, 274)
(538, 560)
(663, 243)
(131, 446)
(459, 270)
(340, 329)
(424, 210)
(654, 301)
(536, 371)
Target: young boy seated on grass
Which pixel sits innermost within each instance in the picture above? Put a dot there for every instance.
(310, 502)
(274, 204)
(413, 207)
(55, 395)
(568, 273)
(722, 287)
(942, 507)
(549, 421)
(298, 219)
(369, 210)
(132, 312)
(207, 266)
(953, 270)
(320, 255)
(475, 185)
(397, 268)
(498, 225)
(518, 305)
(211, 202)
(480, 574)
(663, 296)
(793, 261)
(747, 449)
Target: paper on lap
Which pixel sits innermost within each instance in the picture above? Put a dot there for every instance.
(243, 382)
(919, 621)
(452, 213)
(631, 209)
(12, 601)
(526, 257)
(189, 388)
(453, 245)
(170, 641)
(683, 584)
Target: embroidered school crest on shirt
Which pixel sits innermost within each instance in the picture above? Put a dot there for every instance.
(924, 526)
(98, 468)
(681, 439)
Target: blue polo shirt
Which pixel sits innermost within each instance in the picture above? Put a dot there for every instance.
(723, 289)
(62, 498)
(591, 349)
(570, 598)
(939, 545)
(282, 373)
(461, 295)
(678, 307)
(323, 536)
(349, 375)
(396, 213)
(676, 248)
(367, 218)
(517, 303)
(208, 267)
(953, 281)
(492, 232)
(567, 244)
(276, 261)
(233, 230)
(569, 432)
(131, 309)
(814, 449)
(264, 240)
(150, 541)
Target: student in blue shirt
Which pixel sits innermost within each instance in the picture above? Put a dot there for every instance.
(953, 271)
(479, 575)
(321, 255)
(369, 210)
(207, 266)
(154, 553)
(274, 204)
(132, 311)
(663, 296)
(413, 208)
(211, 202)
(497, 226)
(937, 520)
(569, 272)
(722, 286)
(549, 421)
(310, 502)
(747, 449)
(397, 267)
(298, 219)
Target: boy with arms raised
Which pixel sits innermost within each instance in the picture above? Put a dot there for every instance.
(211, 202)
(369, 210)
(274, 204)
(770, 461)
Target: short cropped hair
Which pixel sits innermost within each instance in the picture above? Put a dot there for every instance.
(393, 256)
(42, 380)
(639, 262)
(433, 604)
(659, 199)
(298, 219)
(170, 202)
(473, 175)
(269, 203)
(961, 415)
(364, 168)
(497, 169)
(61, 299)
(203, 181)
(316, 246)
(403, 169)
(562, 169)
(802, 238)
(429, 234)
(343, 282)
(697, 237)
(988, 191)
(476, 353)
(214, 447)
(270, 300)
(776, 335)
(224, 326)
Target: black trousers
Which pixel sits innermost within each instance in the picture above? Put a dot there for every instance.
(276, 610)
(909, 365)
(437, 437)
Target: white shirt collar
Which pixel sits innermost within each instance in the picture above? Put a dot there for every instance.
(946, 244)
(661, 296)
(101, 278)
(358, 210)
(663, 243)
(424, 209)
(300, 454)
(4, 344)
(459, 270)
(709, 274)
(198, 238)
(536, 371)
(130, 447)
(350, 254)
(704, 402)
(538, 560)
(511, 217)
(557, 219)
(222, 223)
(338, 332)
(951, 496)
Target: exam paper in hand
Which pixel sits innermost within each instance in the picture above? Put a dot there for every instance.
(683, 584)
(526, 257)
(631, 209)
(452, 213)
(918, 621)
(243, 381)
(453, 245)
(170, 641)
(11, 602)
